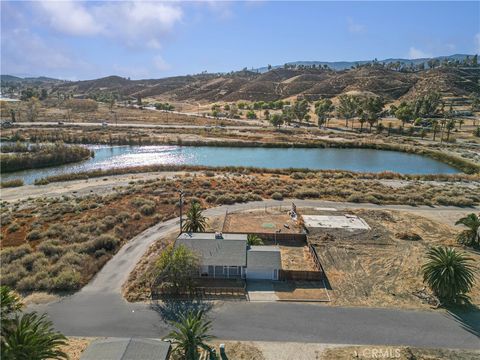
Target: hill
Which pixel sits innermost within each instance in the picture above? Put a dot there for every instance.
(392, 82)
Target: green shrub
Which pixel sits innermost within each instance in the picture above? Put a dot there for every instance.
(67, 280)
(50, 248)
(10, 254)
(147, 209)
(11, 183)
(12, 274)
(13, 227)
(225, 199)
(277, 196)
(34, 235)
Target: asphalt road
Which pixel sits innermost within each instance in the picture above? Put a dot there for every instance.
(137, 125)
(99, 309)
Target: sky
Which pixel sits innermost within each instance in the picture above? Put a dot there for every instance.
(77, 40)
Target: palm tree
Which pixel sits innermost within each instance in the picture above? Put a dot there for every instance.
(195, 222)
(449, 274)
(191, 334)
(254, 240)
(10, 304)
(471, 236)
(33, 338)
(27, 337)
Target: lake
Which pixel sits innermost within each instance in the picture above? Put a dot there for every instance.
(365, 160)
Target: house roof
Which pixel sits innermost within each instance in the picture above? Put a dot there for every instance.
(127, 349)
(230, 250)
(264, 257)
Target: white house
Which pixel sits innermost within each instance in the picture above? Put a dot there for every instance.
(229, 256)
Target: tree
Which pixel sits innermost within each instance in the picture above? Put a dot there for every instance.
(435, 128)
(470, 236)
(32, 109)
(254, 240)
(177, 268)
(266, 114)
(450, 126)
(449, 274)
(251, 114)
(195, 221)
(33, 338)
(372, 108)
(191, 334)
(29, 336)
(300, 109)
(323, 109)
(404, 113)
(346, 108)
(276, 120)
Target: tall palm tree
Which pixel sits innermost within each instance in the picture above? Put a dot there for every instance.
(449, 274)
(191, 334)
(195, 221)
(254, 240)
(470, 236)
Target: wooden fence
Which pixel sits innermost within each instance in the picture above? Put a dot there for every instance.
(298, 275)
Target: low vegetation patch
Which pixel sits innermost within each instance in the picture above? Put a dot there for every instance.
(11, 183)
(24, 157)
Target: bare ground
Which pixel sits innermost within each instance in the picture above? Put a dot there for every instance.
(382, 267)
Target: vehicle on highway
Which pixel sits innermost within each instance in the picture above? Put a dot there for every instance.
(104, 124)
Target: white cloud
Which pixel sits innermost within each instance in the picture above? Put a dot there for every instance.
(414, 53)
(354, 27)
(70, 17)
(160, 64)
(477, 43)
(24, 52)
(134, 24)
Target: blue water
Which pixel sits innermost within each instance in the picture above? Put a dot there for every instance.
(366, 160)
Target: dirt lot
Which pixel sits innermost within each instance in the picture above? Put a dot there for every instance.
(382, 266)
(261, 221)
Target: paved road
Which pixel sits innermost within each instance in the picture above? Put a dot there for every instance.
(137, 125)
(99, 310)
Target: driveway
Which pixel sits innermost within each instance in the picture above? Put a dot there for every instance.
(100, 310)
(261, 290)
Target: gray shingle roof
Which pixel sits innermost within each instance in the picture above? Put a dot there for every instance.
(229, 251)
(127, 349)
(264, 257)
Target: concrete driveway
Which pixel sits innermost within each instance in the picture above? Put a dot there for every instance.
(261, 290)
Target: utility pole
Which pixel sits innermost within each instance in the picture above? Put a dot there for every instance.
(181, 210)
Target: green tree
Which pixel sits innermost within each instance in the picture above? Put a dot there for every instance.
(276, 120)
(254, 240)
(177, 267)
(435, 128)
(470, 236)
(195, 221)
(300, 109)
(404, 113)
(450, 126)
(346, 108)
(323, 109)
(449, 274)
(10, 305)
(191, 334)
(251, 114)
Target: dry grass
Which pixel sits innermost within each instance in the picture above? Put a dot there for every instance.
(395, 352)
(76, 346)
(377, 268)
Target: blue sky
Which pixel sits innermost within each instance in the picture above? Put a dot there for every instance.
(88, 39)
